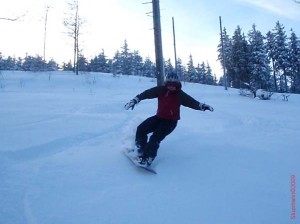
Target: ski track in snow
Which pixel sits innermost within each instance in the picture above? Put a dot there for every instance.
(61, 160)
(50, 148)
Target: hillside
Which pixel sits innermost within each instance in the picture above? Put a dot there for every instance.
(61, 161)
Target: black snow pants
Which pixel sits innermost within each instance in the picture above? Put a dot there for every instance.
(159, 128)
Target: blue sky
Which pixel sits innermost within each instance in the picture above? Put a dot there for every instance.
(109, 23)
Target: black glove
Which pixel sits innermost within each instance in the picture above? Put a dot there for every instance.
(132, 103)
(205, 107)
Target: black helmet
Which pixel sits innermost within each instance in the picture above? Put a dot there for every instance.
(172, 77)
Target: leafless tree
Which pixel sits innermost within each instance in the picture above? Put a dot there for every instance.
(73, 23)
(297, 1)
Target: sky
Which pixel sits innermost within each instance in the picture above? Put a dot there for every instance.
(109, 23)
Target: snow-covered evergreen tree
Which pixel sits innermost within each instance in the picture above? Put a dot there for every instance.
(168, 66)
(126, 60)
(99, 63)
(227, 44)
(180, 69)
(294, 62)
(136, 63)
(201, 73)
(83, 64)
(8, 63)
(117, 64)
(19, 63)
(1, 62)
(148, 68)
(34, 64)
(258, 61)
(68, 66)
(240, 59)
(191, 74)
(281, 54)
(52, 65)
(270, 46)
(209, 80)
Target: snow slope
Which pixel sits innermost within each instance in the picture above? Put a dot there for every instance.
(61, 137)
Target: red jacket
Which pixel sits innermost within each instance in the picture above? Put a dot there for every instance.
(170, 98)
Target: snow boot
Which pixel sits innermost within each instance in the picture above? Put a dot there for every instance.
(145, 161)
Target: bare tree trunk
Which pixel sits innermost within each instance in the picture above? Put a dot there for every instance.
(76, 36)
(73, 23)
(77, 52)
(74, 57)
(286, 82)
(274, 75)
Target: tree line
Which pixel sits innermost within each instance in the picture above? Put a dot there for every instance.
(257, 61)
(29, 63)
(253, 61)
(124, 61)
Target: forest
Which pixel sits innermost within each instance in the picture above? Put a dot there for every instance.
(270, 62)
(125, 62)
(252, 61)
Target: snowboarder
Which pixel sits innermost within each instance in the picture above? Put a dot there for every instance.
(170, 97)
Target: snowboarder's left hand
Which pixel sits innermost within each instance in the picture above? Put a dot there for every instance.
(132, 103)
(205, 107)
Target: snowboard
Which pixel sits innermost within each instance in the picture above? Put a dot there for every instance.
(131, 155)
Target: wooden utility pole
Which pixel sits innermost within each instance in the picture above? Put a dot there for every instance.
(160, 70)
(45, 31)
(223, 55)
(175, 54)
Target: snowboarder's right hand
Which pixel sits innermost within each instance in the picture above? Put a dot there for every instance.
(132, 103)
(205, 107)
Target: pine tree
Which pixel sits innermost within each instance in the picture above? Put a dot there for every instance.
(270, 46)
(240, 59)
(136, 63)
(201, 71)
(2, 67)
(180, 69)
(148, 68)
(191, 72)
(117, 64)
(10, 63)
(82, 62)
(126, 59)
(209, 77)
(169, 67)
(52, 65)
(68, 66)
(99, 63)
(294, 61)
(19, 64)
(34, 64)
(227, 44)
(281, 54)
(258, 61)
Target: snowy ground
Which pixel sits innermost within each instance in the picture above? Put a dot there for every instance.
(61, 160)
